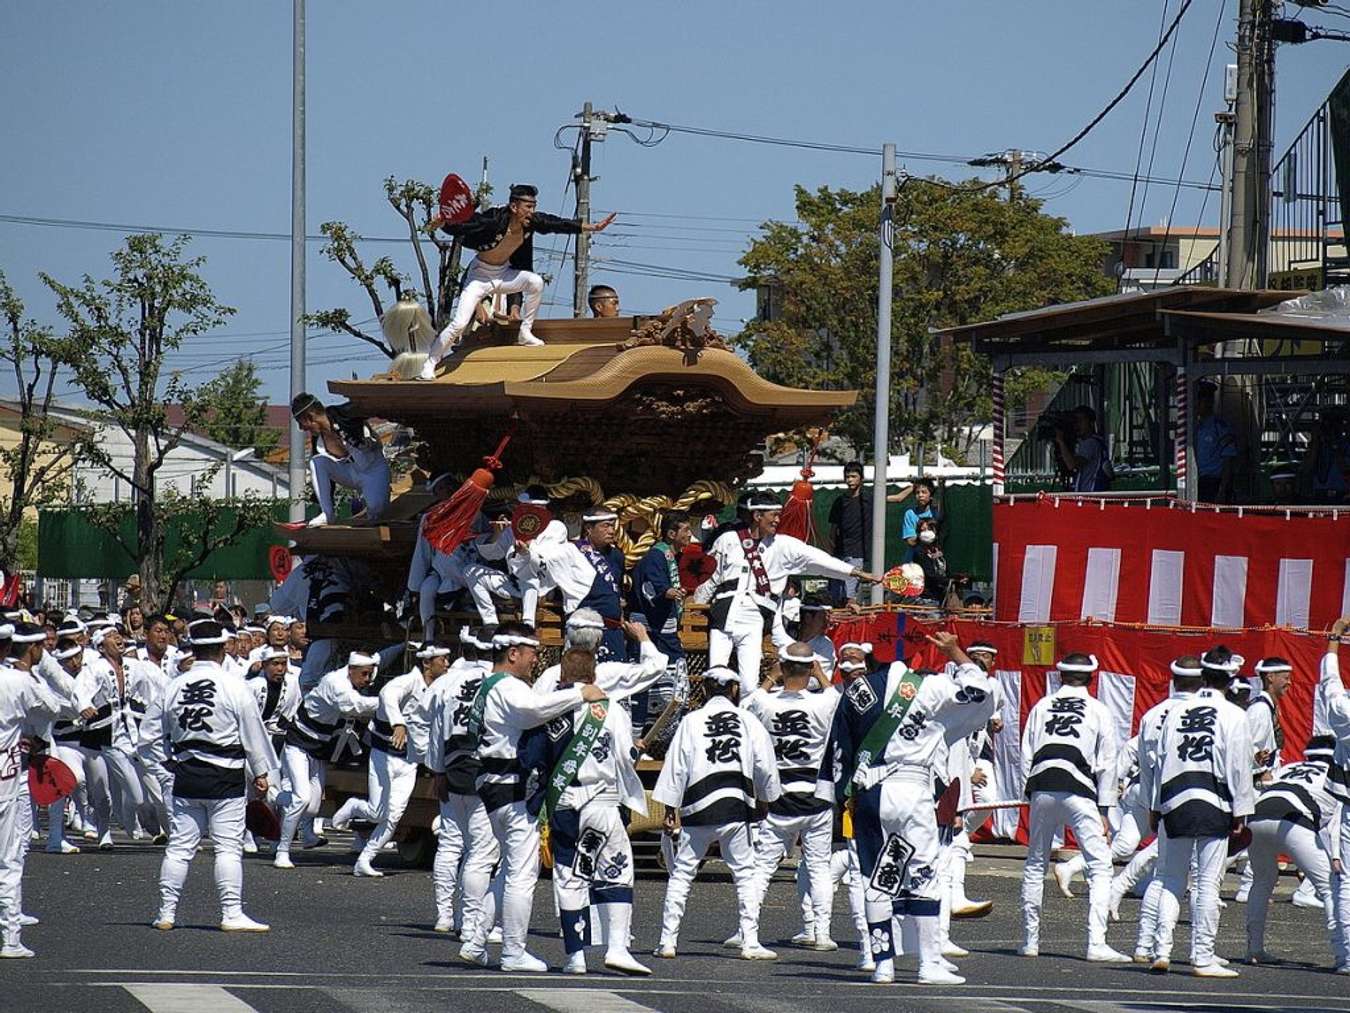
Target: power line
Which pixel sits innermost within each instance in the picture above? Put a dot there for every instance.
(1143, 136)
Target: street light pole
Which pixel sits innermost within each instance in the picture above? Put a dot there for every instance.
(881, 438)
(296, 469)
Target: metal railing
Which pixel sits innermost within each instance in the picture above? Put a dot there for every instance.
(1307, 236)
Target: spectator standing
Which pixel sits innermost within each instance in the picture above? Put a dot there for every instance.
(1089, 459)
(1327, 457)
(1215, 448)
(925, 508)
(931, 560)
(850, 523)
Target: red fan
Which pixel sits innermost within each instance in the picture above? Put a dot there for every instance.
(695, 567)
(457, 203)
(279, 562)
(948, 803)
(260, 819)
(49, 780)
(447, 524)
(528, 520)
(796, 519)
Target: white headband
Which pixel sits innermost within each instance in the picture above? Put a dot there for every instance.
(220, 638)
(71, 626)
(1264, 668)
(358, 660)
(1089, 668)
(763, 505)
(29, 638)
(1232, 666)
(432, 651)
(276, 653)
(500, 641)
(1186, 673)
(599, 515)
(582, 623)
(855, 645)
(793, 659)
(98, 636)
(720, 673)
(254, 629)
(851, 666)
(68, 653)
(988, 649)
(283, 620)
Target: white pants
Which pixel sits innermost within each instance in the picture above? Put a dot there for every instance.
(1124, 842)
(56, 814)
(13, 848)
(593, 871)
(1050, 812)
(390, 780)
(124, 776)
(1174, 863)
(484, 582)
(744, 635)
(843, 869)
(1272, 838)
(364, 469)
(433, 585)
(305, 777)
(517, 836)
(194, 818)
(775, 837)
(466, 842)
(737, 851)
(481, 281)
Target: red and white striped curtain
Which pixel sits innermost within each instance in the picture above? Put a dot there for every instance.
(1061, 558)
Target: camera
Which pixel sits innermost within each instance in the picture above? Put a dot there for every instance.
(1051, 424)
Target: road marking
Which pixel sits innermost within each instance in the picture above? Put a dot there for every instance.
(582, 1000)
(162, 997)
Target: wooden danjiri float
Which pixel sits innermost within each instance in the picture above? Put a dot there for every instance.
(640, 414)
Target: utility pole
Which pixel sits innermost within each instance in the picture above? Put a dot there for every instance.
(1225, 123)
(881, 431)
(296, 465)
(582, 178)
(1014, 171)
(1249, 226)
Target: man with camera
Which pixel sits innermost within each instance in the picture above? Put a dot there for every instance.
(1088, 459)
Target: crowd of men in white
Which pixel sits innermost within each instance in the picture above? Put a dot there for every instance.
(878, 772)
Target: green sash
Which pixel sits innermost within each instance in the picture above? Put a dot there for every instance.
(480, 703)
(879, 735)
(569, 764)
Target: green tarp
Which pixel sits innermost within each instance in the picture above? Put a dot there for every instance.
(968, 531)
(70, 547)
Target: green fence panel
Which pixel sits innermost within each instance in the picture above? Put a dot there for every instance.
(69, 546)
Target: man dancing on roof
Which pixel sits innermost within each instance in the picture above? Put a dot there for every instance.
(504, 238)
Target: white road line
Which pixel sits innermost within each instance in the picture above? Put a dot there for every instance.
(166, 998)
(582, 1000)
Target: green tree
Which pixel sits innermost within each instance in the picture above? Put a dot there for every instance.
(239, 418)
(961, 256)
(124, 328)
(37, 465)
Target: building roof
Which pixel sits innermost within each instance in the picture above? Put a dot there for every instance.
(1142, 325)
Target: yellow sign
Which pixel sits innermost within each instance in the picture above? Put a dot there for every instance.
(1038, 646)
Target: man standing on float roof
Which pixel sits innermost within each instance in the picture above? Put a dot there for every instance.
(504, 239)
(752, 567)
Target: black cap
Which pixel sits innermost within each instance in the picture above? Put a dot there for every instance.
(302, 403)
(519, 190)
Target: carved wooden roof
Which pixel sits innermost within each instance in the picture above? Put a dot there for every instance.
(648, 420)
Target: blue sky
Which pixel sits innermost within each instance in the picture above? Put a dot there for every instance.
(178, 115)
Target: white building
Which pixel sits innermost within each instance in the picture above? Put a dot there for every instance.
(185, 469)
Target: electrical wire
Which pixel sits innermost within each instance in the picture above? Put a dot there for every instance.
(1186, 153)
(1143, 136)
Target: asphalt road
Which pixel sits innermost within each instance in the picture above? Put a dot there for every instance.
(344, 944)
